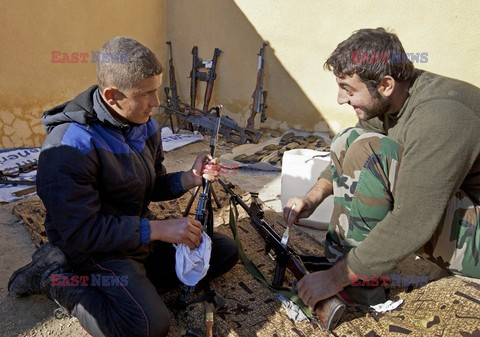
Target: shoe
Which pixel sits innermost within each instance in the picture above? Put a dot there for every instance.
(30, 279)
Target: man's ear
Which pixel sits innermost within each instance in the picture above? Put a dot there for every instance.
(387, 85)
(112, 95)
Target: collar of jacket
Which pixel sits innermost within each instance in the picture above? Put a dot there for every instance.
(104, 115)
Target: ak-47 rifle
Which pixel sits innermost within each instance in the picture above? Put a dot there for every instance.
(174, 98)
(259, 98)
(228, 128)
(328, 311)
(204, 213)
(208, 77)
(211, 78)
(196, 63)
(204, 207)
(16, 170)
(196, 117)
(173, 81)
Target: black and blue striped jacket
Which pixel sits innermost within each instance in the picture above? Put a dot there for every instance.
(96, 177)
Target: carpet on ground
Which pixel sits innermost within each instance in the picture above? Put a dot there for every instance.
(446, 307)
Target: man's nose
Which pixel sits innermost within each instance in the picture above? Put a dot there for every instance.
(342, 97)
(155, 101)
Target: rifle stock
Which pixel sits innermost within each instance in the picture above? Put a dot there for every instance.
(328, 311)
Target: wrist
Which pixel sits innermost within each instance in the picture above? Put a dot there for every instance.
(343, 273)
(188, 179)
(157, 233)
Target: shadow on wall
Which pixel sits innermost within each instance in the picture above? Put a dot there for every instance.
(214, 24)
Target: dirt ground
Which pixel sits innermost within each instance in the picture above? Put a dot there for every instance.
(33, 316)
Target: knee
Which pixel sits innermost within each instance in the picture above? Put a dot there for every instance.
(372, 145)
(151, 321)
(158, 320)
(224, 255)
(344, 139)
(230, 254)
(154, 326)
(159, 326)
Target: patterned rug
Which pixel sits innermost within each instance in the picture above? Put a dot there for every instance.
(449, 306)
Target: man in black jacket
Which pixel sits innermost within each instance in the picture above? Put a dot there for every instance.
(100, 167)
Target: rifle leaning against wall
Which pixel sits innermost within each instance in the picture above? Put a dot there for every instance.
(207, 76)
(328, 311)
(189, 114)
(259, 98)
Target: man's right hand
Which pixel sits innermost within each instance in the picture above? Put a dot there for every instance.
(305, 206)
(301, 209)
(183, 230)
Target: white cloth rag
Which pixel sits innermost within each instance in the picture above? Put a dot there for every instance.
(192, 265)
(387, 306)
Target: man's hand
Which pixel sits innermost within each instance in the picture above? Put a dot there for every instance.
(204, 166)
(305, 206)
(320, 285)
(183, 230)
(297, 208)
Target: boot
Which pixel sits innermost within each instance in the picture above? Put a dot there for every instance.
(34, 277)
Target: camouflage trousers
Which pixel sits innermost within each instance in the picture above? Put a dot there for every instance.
(365, 166)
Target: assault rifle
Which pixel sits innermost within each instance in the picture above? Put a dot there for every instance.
(16, 170)
(204, 212)
(173, 81)
(328, 311)
(228, 128)
(189, 114)
(208, 77)
(259, 98)
(174, 99)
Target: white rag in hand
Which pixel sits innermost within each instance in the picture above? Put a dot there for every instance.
(192, 265)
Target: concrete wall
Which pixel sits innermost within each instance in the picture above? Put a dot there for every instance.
(30, 83)
(301, 34)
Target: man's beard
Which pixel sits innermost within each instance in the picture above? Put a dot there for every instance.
(381, 105)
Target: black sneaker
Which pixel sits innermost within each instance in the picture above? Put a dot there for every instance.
(28, 279)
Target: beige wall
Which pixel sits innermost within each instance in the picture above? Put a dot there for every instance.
(301, 34)
(31, 30)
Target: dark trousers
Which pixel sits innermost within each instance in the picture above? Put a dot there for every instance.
(121, 298)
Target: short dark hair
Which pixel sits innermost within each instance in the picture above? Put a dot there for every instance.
(137, 62)
(368, 43)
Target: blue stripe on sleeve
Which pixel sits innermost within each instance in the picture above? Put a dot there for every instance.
(144, 231)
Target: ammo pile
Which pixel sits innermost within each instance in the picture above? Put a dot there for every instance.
(273, 153)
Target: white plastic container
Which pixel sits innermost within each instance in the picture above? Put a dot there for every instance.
(300, 171)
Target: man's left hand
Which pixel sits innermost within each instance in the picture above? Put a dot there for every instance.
(204, 167)
(320, 285)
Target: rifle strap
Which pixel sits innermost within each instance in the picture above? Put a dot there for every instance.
(255, 272)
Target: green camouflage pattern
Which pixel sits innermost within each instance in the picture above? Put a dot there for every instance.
(364, 168)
